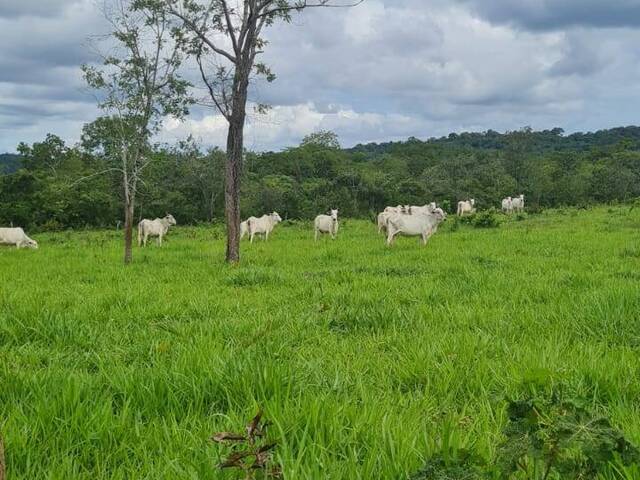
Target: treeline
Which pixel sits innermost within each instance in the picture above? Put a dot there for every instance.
(59, 186)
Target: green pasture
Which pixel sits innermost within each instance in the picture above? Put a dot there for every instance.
(366, 359)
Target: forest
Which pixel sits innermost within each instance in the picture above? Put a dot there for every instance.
(50, 185)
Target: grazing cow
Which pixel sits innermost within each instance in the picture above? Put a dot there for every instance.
(263, 225)
(422, 224)
(154, 228)
(17, 237)
(326, 224)
(466, 207)
(518, 204)
(507, 205)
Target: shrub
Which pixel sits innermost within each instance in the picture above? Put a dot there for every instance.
(487, 219)
(550, 434)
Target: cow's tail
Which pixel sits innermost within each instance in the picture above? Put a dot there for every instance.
(140, 234)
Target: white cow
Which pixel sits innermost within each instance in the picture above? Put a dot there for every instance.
(382, 221)
(383, 217)
(326, 224)
(518, 204)
(399, 209)
(466, 206)
(263, 225)
(154, 228)
(507, 205)
(17, 237)
(244, 227)
(422, 224)
(428, 208)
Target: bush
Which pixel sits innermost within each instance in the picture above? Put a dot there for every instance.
(549, 433)
(487, 219)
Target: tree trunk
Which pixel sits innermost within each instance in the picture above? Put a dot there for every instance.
(232, 186)
(128, 232)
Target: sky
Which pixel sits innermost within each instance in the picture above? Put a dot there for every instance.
(385, 70)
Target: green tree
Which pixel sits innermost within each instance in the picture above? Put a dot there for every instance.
(139, 85)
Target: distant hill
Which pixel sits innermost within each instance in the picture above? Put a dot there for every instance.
(540, 142)
(9, 163)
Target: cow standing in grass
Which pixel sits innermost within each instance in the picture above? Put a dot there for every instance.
(507, 205)
(466, 207)
(428, 208)
(154, 228)
(518, 204)
(263, 225)
(17, 237)
(422, 225)
(383, 217)
(244, 227)
(326, 224)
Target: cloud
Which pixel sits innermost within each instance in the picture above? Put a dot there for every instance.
(34, 8)
(558, 14)
(386, 70)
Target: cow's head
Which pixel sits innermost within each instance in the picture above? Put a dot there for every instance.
(521, 196)
(472, 201)
(170, 220)
(334, 215)
(32, 244)
(275, 217)
(440, 214)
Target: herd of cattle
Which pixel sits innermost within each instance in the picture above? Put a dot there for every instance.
(404, 220)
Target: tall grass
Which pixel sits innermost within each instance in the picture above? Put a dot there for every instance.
(367, 359)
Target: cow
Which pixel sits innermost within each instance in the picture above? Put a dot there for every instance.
(154, 228)
(263, 225)
(428, 208)
(518, 204)
(382, 221)
(244, 227)
(507, 205)
(17, 237)
(423, 225)
(326, 224)
(383, 217)
(466, 206)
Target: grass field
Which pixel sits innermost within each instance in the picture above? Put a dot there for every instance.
(367, 359)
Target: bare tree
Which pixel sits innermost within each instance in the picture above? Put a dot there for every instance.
(225, 37)
(138, 85)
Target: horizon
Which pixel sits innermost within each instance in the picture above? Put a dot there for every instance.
(563, 134)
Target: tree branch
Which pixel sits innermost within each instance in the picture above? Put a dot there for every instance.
(194, 28)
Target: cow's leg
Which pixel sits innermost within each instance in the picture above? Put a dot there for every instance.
(390, 235)
(315, 236)
(160, 240)
(252, 235)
